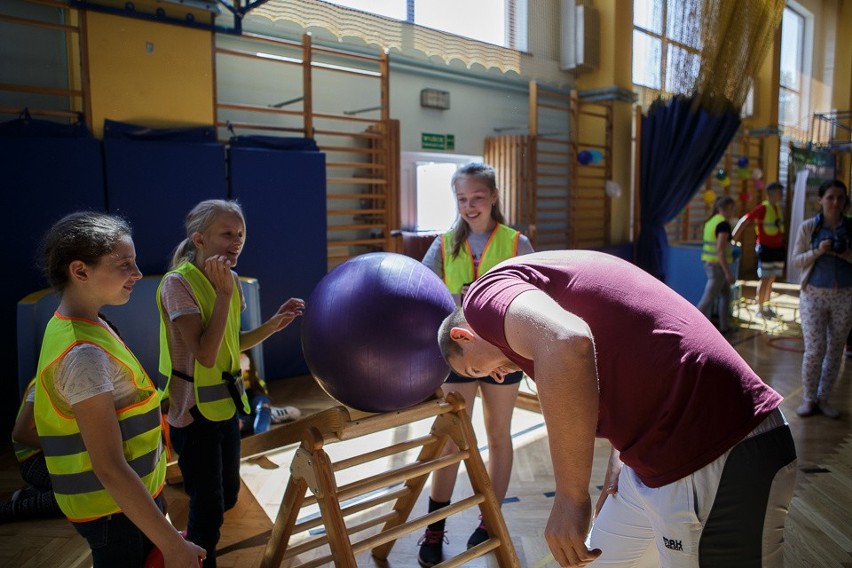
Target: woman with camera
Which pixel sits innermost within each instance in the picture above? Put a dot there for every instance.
(822, 251)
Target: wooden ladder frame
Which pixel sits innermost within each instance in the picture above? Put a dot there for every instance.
(312, 469)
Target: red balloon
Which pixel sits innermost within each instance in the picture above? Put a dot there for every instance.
(155, 559)
(745, 196)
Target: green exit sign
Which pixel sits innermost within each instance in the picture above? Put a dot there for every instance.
(437, 141)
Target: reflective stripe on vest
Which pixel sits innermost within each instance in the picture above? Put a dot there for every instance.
(212, 395)
(459, 270)
(88, 482)
(709, 251)
(79, 493)
(22, 451)
(130, 427)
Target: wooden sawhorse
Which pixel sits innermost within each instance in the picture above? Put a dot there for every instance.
(313, 469)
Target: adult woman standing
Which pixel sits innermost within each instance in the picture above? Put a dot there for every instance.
(823, 253)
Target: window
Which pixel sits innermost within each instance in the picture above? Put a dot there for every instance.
(666, 46)
(427, 201)
(436, 204)
(790, 107)
(499, 22)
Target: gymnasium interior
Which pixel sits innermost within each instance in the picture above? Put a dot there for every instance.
(612, 125)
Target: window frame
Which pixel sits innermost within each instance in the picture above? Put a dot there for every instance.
(666, 45)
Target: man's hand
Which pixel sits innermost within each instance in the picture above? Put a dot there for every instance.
(566, 532)
(613, 471)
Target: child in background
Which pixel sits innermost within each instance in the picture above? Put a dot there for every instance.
(770, 248)
(96, 410)
(479, 240)
(718, 259)
(35, 501)
(200, 300)
(262, 411)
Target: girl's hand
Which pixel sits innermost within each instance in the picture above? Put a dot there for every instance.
(289, 310)
(184, 554)
(218, 271)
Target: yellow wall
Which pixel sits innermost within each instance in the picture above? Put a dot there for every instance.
(148, 73)
(615, 70)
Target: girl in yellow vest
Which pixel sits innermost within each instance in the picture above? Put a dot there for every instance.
(718, 260)
(96, 410)
(200, 301)
(479, 240)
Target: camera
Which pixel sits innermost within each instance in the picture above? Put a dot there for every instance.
(838, 245)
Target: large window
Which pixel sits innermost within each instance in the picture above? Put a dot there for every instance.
(499, 22)
(666, 46)
(791, 96)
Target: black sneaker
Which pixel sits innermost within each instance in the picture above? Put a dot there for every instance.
(431, 548)
(479, 536)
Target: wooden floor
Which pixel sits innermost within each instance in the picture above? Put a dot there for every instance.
(819, 527)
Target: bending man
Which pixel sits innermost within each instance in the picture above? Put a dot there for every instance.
(703, 464)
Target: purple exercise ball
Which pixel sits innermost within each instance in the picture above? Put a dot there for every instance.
(369, 333)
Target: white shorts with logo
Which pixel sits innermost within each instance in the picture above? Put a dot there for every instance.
(729, 513)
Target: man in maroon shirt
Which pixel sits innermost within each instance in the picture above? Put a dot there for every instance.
(703, 463)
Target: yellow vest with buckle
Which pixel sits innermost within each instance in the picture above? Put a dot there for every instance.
(460, 270)
(78, 491)
(215, 387)
(22, 451)
(709, 252)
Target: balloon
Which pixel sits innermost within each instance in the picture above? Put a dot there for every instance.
(759, 184)
(756, 173)
(584, 157)
(612, 188)
(721, 173)
(709, 196)
(745, 197)
(726, 182)
(742, 162)
(742, 173)
(597, 156)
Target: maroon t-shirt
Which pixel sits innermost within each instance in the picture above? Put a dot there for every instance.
(674, 395)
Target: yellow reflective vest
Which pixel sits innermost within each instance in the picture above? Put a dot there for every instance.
(709, 252)
(460, 270)
(78, 491)
(212, 394)
(772, 223)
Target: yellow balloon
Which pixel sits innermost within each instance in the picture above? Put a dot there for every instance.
(725, 182)
(709, 196)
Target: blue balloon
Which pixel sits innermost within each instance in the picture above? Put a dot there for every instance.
(597, 156)
(742, 162)
(584, 157)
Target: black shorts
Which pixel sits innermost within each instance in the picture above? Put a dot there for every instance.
(510, 379)
(771, 254)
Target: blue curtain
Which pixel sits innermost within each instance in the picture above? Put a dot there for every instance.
(681, 143)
